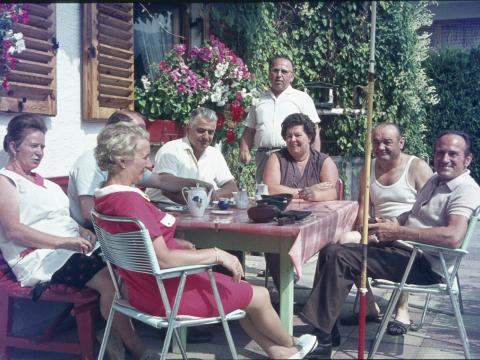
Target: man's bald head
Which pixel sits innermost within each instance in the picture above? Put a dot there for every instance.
(126, 115)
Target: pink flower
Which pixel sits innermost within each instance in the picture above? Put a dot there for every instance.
(5, 84)
(175, 75)
(181, 88)
(164, 66)
(180, 49)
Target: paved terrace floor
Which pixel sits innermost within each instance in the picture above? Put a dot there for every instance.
(437, 339)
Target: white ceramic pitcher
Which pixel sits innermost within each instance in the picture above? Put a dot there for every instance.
(260, 189)
(197, 199)
(241, 199)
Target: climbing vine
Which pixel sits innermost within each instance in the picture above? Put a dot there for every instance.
(329, 41)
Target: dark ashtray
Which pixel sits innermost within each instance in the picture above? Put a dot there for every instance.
(281, 201)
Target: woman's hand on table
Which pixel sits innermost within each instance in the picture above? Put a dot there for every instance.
(231, 263)
(307, 194)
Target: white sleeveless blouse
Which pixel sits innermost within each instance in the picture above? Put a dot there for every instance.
(43, 208)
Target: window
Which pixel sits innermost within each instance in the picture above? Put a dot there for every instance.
(33, 82)
(108, 69)
(157, 28)
(464, 33)
(120, 42)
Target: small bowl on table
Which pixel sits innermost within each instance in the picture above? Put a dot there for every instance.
(223, 203)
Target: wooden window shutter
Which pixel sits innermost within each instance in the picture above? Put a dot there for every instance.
(33, 81)
(108, 60)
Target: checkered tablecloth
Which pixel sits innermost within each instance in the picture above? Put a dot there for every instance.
(327, 221)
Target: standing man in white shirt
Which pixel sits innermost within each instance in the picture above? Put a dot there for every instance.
(192, 157)
(264, 121)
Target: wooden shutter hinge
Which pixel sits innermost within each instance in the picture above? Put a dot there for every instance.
(92, 52)
(20, 104)
(55, 44)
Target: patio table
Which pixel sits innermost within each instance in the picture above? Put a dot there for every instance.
(296, 243)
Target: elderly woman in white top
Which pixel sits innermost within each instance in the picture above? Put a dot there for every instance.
(39, 239)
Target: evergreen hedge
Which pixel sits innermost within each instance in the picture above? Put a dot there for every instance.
(456, 76)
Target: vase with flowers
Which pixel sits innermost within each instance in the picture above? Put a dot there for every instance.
(212, 76)
(11, 43)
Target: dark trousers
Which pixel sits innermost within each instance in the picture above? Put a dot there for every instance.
(339, 267)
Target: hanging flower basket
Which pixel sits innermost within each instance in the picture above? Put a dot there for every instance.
(162, 131)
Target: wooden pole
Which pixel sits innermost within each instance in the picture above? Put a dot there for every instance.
(366, 188)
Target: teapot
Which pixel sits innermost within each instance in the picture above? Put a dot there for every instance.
(197, 199)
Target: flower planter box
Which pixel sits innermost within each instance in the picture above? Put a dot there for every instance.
(162, 131)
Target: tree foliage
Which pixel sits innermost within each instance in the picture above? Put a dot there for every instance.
(329, 41)
(456, 75)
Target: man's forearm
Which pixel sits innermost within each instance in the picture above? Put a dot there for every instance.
(171, 183)
(246, 141)
(225, 191)
(174, 196)
(450, 236)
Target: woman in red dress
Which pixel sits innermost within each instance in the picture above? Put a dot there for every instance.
(123, 150)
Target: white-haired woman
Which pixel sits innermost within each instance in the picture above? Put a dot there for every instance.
(123, 150)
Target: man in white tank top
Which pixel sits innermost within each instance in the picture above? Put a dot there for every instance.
(395, 180)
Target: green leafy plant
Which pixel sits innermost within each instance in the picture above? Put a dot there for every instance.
(456, 75)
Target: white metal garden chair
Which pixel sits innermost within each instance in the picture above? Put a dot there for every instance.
(134, 251)
(449, 287)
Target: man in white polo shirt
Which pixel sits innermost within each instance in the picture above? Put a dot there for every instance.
(193, 157)
(85, 176)
(264, 121)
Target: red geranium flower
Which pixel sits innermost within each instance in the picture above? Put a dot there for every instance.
(220, 120)
(230, 138)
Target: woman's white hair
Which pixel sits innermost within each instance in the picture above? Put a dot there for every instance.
(116, 142)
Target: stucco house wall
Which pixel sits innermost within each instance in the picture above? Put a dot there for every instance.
(68, 136)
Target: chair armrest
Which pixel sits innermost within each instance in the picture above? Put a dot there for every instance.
(426, 247)
(179, 270)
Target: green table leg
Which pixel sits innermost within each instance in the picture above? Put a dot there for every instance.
(182, 332)
(286, 288)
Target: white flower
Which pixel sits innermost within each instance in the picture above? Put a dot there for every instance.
(216, 97)
(243, 92)
(146, 82)
(18, 36)
(20, 45)
(220, 69)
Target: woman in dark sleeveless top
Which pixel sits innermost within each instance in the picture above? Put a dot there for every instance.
(298, 169)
